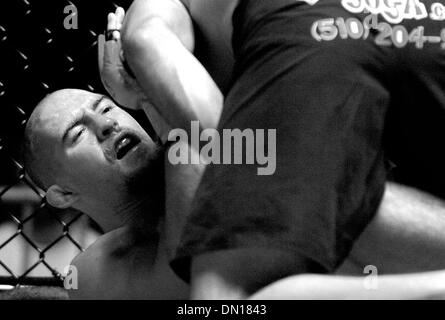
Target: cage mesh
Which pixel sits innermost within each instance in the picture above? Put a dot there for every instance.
(38, 55)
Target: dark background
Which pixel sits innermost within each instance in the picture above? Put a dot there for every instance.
(38, 56)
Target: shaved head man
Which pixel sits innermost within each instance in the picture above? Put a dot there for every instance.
(87, 152)
(91, 155)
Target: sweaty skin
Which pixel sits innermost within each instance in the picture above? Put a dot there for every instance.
(124, 264)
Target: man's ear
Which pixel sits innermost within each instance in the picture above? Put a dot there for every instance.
(59, 197)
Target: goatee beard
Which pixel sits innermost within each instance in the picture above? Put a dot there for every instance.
(149, 181)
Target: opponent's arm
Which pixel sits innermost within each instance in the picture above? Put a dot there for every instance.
(405, 236)
(232, 275)
(158, 40)
(427, 285)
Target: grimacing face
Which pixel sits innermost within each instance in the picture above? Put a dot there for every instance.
(98, 146)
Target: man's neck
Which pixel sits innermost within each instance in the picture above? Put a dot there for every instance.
(140, 213)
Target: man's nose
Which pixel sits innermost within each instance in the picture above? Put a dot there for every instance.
(105, 127)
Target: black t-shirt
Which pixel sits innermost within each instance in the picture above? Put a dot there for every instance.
(346, 85)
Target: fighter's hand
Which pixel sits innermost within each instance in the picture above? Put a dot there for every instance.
(119, 84)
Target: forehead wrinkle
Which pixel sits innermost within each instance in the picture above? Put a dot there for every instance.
(79, 115)
(67, 113)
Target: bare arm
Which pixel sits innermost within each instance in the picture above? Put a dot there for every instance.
(428, 285)
(181, 182)
(158, 40)
(171, 87)
(407, 234)
(214, 277)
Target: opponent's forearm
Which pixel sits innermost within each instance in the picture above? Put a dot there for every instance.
(171, 77)
(428, 285)
(172, 12)
(260, 273)
(181, 182)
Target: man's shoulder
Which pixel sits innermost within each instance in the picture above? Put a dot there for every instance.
(88, 282)
(103, 248)
(97, 266)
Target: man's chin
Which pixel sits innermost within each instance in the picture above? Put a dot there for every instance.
(142, 167)
(138, 158)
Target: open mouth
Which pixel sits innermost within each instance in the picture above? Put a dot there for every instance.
(124, 144)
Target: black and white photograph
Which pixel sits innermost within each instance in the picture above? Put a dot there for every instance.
(232, 150)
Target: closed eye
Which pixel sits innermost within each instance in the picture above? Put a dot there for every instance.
(107, 109)
(78, 135)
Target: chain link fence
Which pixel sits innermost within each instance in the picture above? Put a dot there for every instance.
(44, 46)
